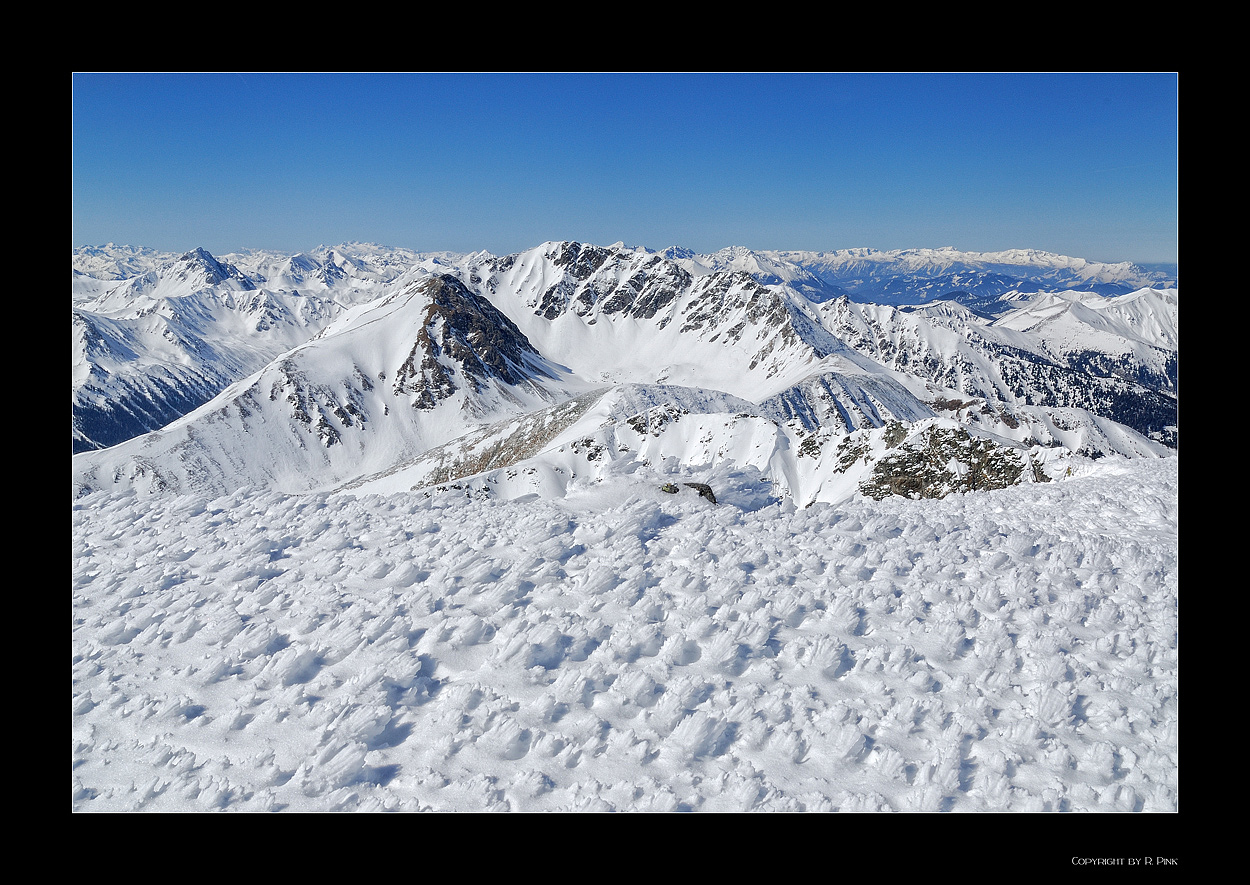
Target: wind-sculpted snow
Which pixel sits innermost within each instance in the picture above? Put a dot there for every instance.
(627, 649)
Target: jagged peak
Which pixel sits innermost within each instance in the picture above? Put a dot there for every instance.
(199, 252)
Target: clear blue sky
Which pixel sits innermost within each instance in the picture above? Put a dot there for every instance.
(1084, 165)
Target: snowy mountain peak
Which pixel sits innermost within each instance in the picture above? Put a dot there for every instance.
(463, 335)
(199, 268)
(364, 357)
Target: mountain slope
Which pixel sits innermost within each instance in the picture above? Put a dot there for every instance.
(1115, 358)
(464, 362)
(386, 380)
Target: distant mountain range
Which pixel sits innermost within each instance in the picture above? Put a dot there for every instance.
(823, 375)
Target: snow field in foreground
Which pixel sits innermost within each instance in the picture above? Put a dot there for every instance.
(1012, 650)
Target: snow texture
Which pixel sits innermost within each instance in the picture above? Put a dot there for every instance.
(625, 649)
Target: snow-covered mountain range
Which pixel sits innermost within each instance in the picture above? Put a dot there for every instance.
(378, 368)
(592, 528)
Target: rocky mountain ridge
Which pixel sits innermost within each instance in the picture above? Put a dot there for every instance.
(381, 360)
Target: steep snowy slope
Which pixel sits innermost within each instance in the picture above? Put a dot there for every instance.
(618, 314)
(1114, 358)
(385, 382)
(157, 334)
(628, 315)
(1135, 336)
(151, 348)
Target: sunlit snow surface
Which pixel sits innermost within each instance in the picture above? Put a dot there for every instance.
(626, 649)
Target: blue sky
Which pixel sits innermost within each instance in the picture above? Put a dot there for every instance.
(1084, 165)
